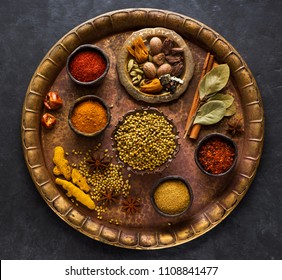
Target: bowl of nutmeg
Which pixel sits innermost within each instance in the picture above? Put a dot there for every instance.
(155, 65)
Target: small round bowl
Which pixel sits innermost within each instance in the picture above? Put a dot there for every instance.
(224, 139)
(159, 168)
(83, 99)
(92, 48)
(166, 179)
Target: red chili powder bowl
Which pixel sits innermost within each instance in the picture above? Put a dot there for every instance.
(216, 154)
(87, 65)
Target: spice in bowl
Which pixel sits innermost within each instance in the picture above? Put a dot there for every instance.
(145, 140)
(216, 154)
(87, 65)
(89, 115)
(172, 196)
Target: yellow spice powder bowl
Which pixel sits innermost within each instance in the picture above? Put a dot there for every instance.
(89, 116)
(172, 196)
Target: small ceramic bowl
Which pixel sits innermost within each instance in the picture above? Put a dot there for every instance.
(165, 210)
(94, 49)
(157, 169)
(80, 100)
(223, 138)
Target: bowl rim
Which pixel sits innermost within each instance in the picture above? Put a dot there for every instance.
(171, 178)
(85, 98)
(160, 168)
(225, 138)
(91, 47)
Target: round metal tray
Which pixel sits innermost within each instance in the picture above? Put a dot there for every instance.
(214, 198)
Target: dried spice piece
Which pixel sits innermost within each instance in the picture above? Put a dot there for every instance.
(151, 86)
(159, 59)
(177, 58)
(62, 165)
(214, 81)
(177, 69)
(108, 197)
(235, 127)
(138, 50)
(130, 205)
(155, 45)
(174, 51)
(210, 113)
(53, 101)
(79, 180)
(48, 120)
(98, 163)
(76, 192)
(167, 46)
(216, 156)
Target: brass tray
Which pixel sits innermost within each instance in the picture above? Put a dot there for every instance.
(214, 198)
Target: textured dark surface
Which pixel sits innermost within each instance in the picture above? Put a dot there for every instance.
(30, 230)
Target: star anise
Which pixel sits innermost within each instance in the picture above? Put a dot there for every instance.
(108, 197)
(98, 163)
(130, 205)
(235, 127)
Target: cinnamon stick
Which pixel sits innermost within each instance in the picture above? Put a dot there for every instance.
(197, 127)
(196, 99)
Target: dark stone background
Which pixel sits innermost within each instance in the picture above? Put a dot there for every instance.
(30, 230)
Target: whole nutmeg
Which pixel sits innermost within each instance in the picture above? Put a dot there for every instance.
(164, 69)
(149, 70)
(156, 45)
(159, 59)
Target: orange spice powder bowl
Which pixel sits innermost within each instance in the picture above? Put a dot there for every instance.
(87, 65)
(216, 158)
(173, 199)
(85, 118)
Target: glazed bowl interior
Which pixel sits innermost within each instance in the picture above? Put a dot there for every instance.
(92, 48)
(93, 98)
(224, 139)
(167, 179)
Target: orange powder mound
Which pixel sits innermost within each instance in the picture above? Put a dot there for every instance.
(89, 117)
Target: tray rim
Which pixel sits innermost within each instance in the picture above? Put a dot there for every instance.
(117, 21)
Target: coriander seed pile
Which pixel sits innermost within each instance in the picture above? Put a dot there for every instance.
(145, 140)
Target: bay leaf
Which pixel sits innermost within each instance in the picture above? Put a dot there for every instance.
(231, 110)
(210, 113)
(214, 81)
(226, 98)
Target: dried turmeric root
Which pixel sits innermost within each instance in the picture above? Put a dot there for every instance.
(62, 165)
(76, 192)
(79, 180)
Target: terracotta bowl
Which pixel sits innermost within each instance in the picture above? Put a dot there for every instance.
(92, 48)
(223, 138)
(171, 178)
(157, 169)
(146, 35)
(83, 99)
